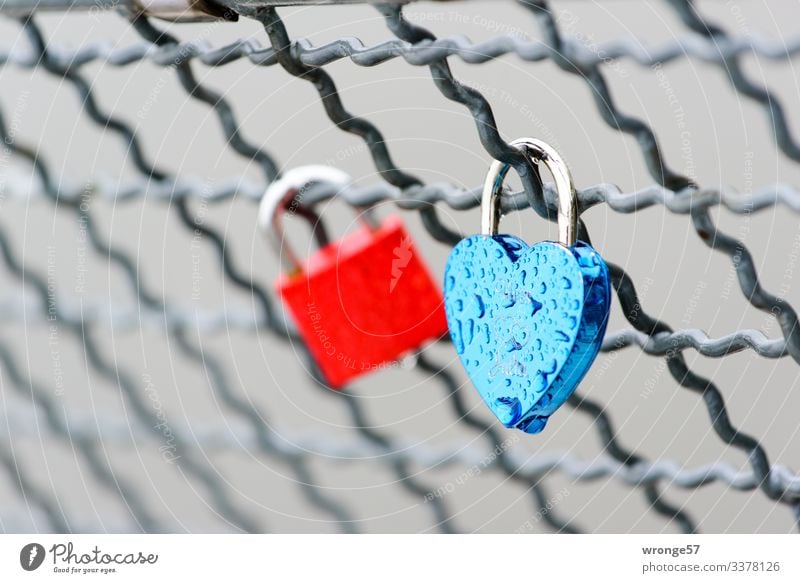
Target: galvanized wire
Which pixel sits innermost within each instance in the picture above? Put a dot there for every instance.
(419, 47)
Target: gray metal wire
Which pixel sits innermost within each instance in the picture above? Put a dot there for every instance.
(354, 449)
(131, 318)
(418, 47)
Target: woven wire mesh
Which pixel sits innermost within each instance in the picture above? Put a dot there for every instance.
(177, 398)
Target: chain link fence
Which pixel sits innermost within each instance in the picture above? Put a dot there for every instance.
(171, 395)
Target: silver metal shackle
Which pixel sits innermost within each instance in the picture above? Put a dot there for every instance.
(539, 152)
(285, 192)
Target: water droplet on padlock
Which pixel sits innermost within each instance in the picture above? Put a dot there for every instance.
(508, 410)
(480, 307)
(458, 341)
(533, 425)
(539, 381)
(590, 266)
(470, 334)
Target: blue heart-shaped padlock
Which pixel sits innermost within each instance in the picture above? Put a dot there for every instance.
(527, 321)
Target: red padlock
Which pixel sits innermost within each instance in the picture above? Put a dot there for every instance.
(359, 303)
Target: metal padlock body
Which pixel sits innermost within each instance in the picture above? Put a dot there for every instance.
(364, 301)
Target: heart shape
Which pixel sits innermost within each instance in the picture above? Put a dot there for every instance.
(527, 322)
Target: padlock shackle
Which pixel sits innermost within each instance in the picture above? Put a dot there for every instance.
(539, 152)
(285, 196)
(318, 229)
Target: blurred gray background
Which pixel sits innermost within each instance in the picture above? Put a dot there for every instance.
(720, 139)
